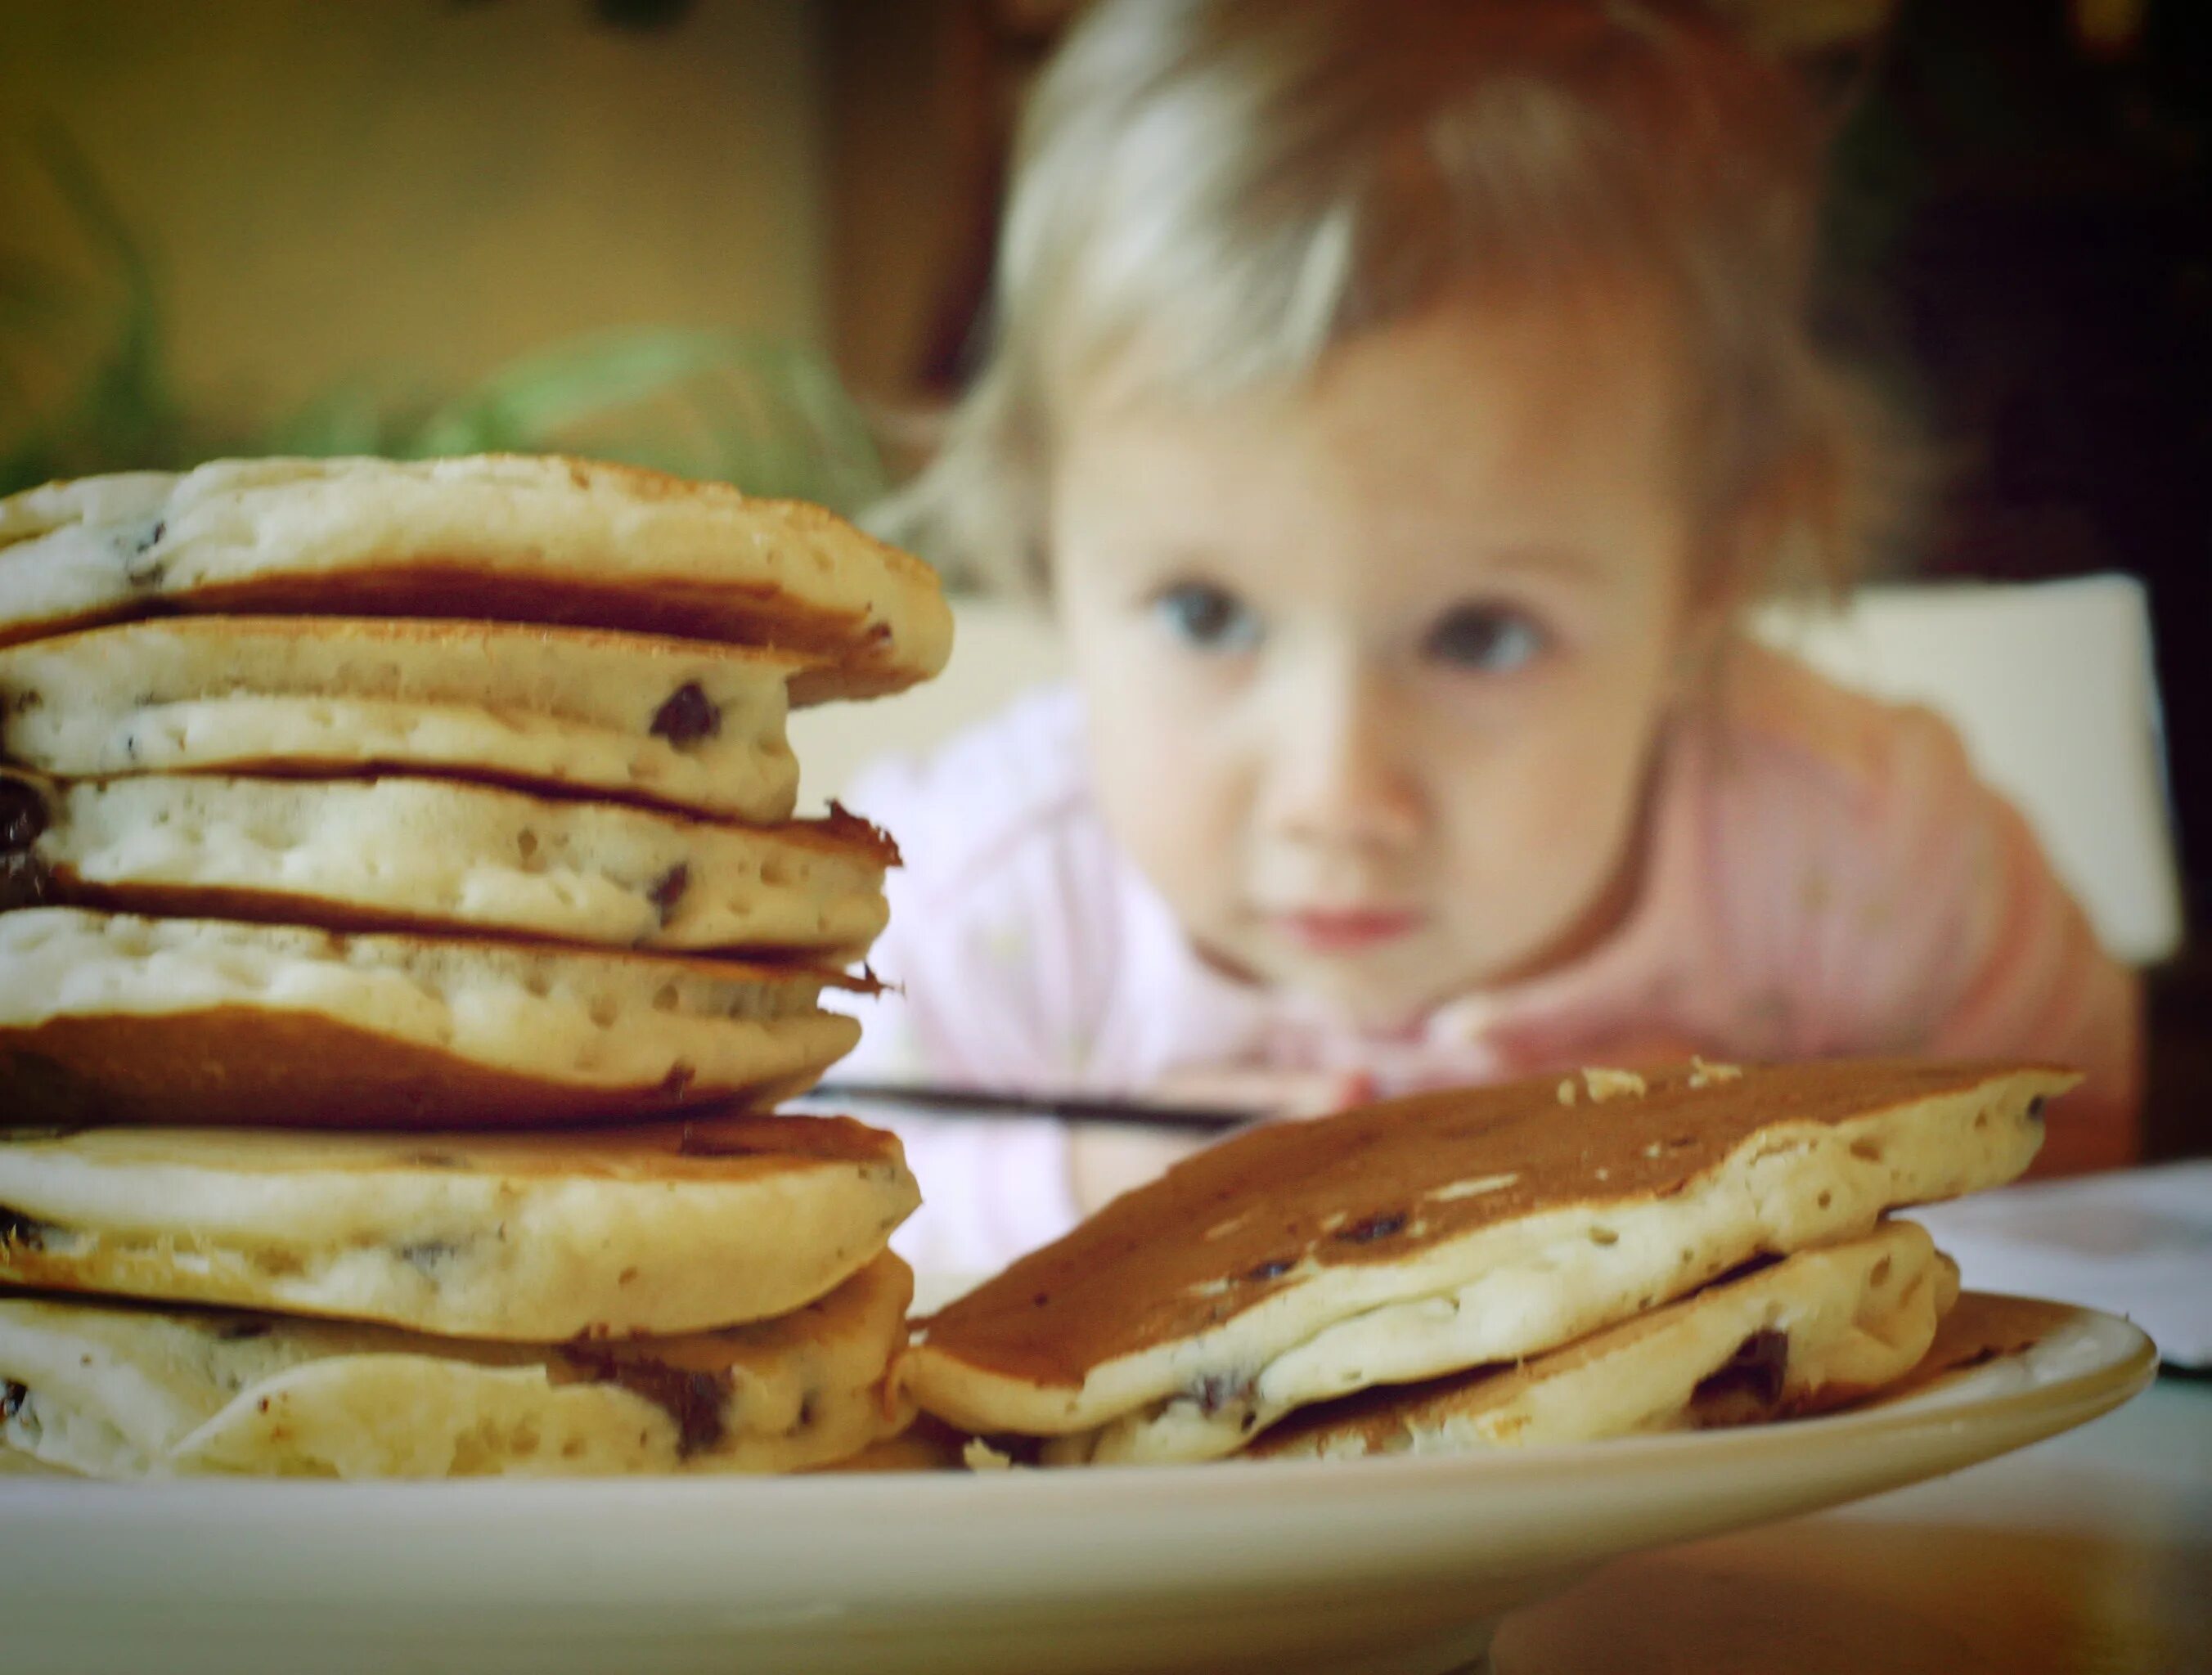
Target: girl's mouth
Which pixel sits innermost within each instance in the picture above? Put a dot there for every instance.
(1345, 930)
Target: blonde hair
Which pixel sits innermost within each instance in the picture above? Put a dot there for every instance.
(1239, 184)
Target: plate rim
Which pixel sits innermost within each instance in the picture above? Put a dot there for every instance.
(1392, 1561)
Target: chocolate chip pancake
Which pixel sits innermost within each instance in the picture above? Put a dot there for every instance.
(1300, 1262)
(1797, 1336)
(674, 722)
(440, 855)
(1981, 1327)
(123, 1390)
(501, 537)
(654, 1230)
(112, 1018)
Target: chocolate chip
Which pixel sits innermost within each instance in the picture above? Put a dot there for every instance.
(17, 1229)
(693, 1400)
(1270, 1270)
(24, 814)
(12, 1398)
(428, 1254)
(2035, 1108)
(1220, 1391)
(688, 716)
(1756, 1370)
(670, 891)
(237, 1332)
(1374, 1228)
(137, 568)
(25, 881)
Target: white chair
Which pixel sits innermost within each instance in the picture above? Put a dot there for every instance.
(2050, 685)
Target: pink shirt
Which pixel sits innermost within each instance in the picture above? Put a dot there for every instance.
(1826, 878)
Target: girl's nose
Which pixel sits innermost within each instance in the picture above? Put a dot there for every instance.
(1342, 774)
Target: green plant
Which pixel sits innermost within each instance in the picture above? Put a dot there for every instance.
(766, 414)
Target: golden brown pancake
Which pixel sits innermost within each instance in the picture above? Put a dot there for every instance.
(926, 1445)
(1982, 1328)
(395, 853)
(133, 1390)
(1792, 1336)
(1301, 1261)
(653, 1229)
(110, 1017)
(675, 723)
(503, 538)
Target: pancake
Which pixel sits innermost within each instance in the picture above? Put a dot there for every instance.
(437, 854)
(655, 1229)
(1802, 1335)
(121, 1391)
(1299, 1262)
(926, 1445)
(672, 722)
(112, 1017)
(1982, 1328)
(501, 537)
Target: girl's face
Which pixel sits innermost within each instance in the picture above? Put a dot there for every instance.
(1375, 665)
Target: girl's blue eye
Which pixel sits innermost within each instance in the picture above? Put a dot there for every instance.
(1491, 639)
(1209, 618)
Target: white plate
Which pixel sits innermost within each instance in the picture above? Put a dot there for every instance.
(1388, 1565)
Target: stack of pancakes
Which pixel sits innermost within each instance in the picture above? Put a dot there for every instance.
(1556, 1260)
(349, 809)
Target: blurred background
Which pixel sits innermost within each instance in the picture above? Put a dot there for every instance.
(749, 239)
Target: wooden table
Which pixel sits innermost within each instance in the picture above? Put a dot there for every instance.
(2090, 1555)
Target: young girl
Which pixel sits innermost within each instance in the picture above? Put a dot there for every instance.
(1399, 406)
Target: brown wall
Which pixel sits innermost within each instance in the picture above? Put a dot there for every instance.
(411, 191)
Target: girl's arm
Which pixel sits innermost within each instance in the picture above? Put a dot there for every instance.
(2042, 987)
(1973, 947)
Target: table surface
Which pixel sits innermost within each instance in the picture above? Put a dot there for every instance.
(2091, 1552)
